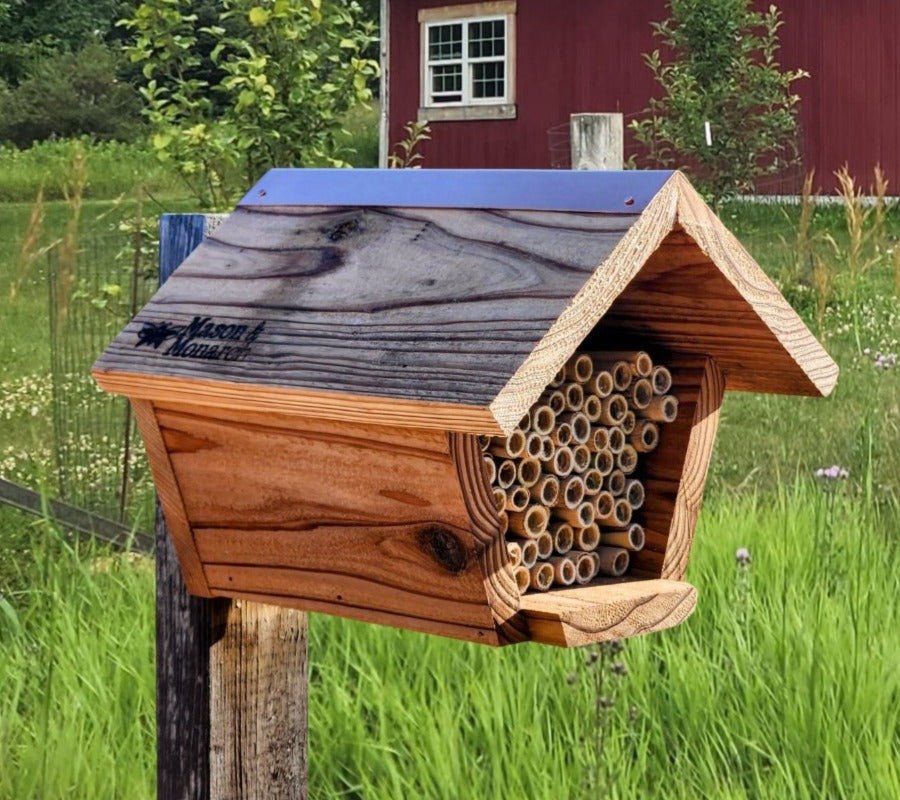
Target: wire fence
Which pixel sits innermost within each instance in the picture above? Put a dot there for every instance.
(95, 286)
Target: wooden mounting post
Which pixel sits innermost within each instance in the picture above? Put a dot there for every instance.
(597, 141)
(231, 677)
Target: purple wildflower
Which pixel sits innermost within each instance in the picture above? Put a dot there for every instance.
(742, 556)
(832, 473)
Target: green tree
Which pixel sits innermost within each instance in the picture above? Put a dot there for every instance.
(720, 67)
(283, 88)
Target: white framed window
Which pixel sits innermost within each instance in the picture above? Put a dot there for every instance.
(468, 61)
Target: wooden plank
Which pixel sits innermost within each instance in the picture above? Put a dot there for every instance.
(170, 498)
(599, 613)
(693, 478)
(410, 306)
(345, 518)
(76, 519)
(483, 9)
(258, 704)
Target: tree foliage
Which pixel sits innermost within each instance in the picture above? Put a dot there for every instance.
(287, 71)
(720, 66)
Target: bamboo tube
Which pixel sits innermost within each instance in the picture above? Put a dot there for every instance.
(614, 408)
(571, 492)
(618, 368)
(547, 449)
(613, 561)
(585, 566)
(604, 505)
(634, 493)
(593, 481)
(504, 522)
(559, 379)
(641, 393)
(581, 456)
(645, 436)
(661, 379)
(587, 538)
(533, 445)
(541, 576)
(499, 496)
(514, 551)
(615, 482)
(627, 460)
(523, 578)
(628, 422)
(631, 538)
(639, 361)
(601, 384)
(580, 368)
(484, 442)
(506, 474)
(574, 396)
(579, 424)
(529, 553)
(563, 570)
(616, 440)
(511, 447)
(599, 439)
(490, 469)
(592, 407)
(530, 523)
(546, 490)
(544, 544)
(517, 498)
(623, 513)
(561, 435)
(604, 461)
(662, 409)
(529, 472)
(543, 419)
(556, 400)
(578, 517)
(562, 462)
(563, 537)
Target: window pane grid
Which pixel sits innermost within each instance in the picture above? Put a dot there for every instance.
(466, 62)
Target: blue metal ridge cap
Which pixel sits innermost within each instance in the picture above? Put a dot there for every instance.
(607, 192)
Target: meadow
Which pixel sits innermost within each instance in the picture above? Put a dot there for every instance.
(784, 683)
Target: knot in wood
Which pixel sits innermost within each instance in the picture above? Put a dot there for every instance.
(444, 547)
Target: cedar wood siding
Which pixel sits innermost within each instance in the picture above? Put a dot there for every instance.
(586, 55)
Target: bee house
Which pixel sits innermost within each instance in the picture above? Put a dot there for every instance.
(391, 396)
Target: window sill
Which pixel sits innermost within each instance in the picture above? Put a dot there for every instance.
(466, 113)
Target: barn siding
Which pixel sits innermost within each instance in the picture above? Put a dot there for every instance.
(585, 55)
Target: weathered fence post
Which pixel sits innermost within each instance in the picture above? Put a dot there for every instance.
(597, 141)
(231, 677)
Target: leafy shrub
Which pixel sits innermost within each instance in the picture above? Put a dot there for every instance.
(71, 94)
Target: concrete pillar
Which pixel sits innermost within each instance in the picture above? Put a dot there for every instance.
(597, 141)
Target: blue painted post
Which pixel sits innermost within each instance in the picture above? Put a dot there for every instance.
(184, 624)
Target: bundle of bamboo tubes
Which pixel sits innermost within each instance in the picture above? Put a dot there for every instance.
(565, 481)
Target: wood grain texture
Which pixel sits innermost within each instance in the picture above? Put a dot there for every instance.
(689, 498)
(170, 498)
(413, 305)
(454, 319)
(812, 370)
(258, 704)
(353, 520)
(599, 613)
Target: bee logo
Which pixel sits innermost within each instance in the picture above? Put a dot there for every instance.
(155, 333)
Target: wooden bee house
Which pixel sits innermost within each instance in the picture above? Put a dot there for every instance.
(311, 383)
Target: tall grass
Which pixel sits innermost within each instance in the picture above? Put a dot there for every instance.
(782, 684)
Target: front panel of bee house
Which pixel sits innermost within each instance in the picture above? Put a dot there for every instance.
(473, 403)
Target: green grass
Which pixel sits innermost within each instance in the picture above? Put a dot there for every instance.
(782, 684)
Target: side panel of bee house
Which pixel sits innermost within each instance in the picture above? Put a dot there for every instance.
(323, 383)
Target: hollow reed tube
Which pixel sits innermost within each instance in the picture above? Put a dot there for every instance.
(543, 420)
(510, 447)
(580, 368)
(571, 492)
(517, 498)
(579, 517)
(562, 463)
(499, 496)
(592, 407)
(523, 578)
(506, 473)
(602, 384)
(581, 458)
(627, 460)
(530, 523)
(641, 393)
(645, 436)
(546, 490)
(616, 440)
(563, 537)
(490, 469)
(529, 472)
(579, 424)
(661, 379)
(544, 544)
(628, 422)
(604, 461)
(514, 550)
(563, 570)
(541, 576)
(613, 561)
(585, 566)
(631, 538)
(634, 493)
(574, 396)
(615, 482)
(529, 553)
(587, 538)
(615, 407)
(661, 409)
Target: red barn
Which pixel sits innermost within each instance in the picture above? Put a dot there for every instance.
(498, 80)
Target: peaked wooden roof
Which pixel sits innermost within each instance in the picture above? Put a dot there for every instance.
(448, 299)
